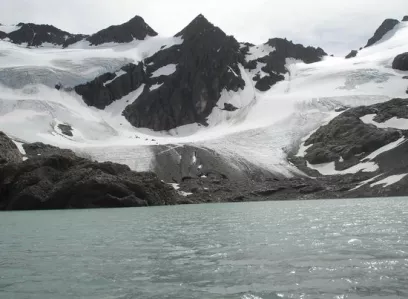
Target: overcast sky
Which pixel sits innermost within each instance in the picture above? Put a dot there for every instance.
(335, 25)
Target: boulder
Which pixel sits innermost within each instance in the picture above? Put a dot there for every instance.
(384, 28)
(352, 54)
(401, 62)
(136, 28)
(405, 19)
(62, 181)
(9, 152)
(229, 107)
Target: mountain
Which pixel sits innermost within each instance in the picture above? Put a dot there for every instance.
(183, 83)
(384, 28)
(136, 28)
(34, 35)
(216, 119)
(189, 78)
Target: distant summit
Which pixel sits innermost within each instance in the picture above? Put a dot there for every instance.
(198, 26)
(135, 28)
(34, 35)
(385, 27)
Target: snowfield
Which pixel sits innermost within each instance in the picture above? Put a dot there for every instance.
(262, 131)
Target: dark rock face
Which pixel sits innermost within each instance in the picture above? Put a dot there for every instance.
(109, 87)
(3, 35)
(136, 28)
(401, 62)
(207, 62)
(352, 54)
(9, 152)
(63, 181)
(35, 35)
(385, 27)
(347, 137)
(405, 19)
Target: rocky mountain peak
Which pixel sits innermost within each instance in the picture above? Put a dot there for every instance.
(136, 28)
(199, 26)
(384, 28)
(206, 63)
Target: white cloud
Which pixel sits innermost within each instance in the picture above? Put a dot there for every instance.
(335, 25)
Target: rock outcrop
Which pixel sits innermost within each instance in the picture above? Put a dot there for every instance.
(136, 28)
(347, 140)
(405, 19)
(53, 178)
(9, 152)
(401, 62)
(385, 27)
(274, 62)
(109, 87)
(352, 54)
(206, 63)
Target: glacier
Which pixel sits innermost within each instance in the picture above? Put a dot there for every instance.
(266, 127)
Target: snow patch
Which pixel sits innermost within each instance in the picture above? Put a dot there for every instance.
(155, 86)
(185, 194)
(330, 168)
(260, 51)
(175, 186)
(117, 74)
(230, 68)
(385, 148)
(365, 182)
(165, 70)
(395, 122)
(365, 166)
(390, 180)
(20, 147)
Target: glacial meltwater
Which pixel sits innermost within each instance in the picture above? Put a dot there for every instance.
(300, 249)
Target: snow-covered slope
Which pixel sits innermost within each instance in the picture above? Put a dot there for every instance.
(264, 128)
